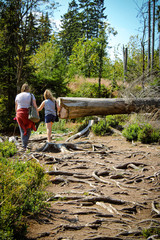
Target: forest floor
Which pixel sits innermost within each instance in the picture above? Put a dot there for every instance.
(107, 188)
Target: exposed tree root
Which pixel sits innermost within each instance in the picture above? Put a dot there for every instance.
(81, 133)
(56, 148)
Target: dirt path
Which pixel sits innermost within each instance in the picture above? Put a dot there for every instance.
(108, 191)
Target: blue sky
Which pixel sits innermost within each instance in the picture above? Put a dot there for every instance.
(121, 14)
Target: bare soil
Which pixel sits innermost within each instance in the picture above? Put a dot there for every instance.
(109, 190)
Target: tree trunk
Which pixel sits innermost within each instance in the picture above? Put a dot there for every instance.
(125, 56)
(149, 34)
(143, 52)
(72, 108)
(153, 35)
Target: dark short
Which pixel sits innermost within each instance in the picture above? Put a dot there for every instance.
(50, 118)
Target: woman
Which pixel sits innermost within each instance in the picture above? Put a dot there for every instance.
(22, 103)
(49, 104)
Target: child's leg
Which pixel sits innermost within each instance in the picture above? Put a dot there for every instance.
(49, 130)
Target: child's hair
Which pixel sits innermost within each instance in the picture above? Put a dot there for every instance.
(48, 95)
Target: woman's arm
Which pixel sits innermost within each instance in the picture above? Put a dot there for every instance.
(35, 105)
(41, 106)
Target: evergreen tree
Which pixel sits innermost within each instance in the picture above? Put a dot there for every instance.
(92, 17)
(44, 28)
(18, 40)
(71, 29)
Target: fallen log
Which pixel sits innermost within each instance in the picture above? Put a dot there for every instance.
(71, 108)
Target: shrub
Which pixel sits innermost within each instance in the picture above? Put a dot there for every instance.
(151, 231)
(58, 127)
(7, 149)
(101, 128)
(148, 134)
(112, 121)
(21, 193)
(144, 133)
(131, 132)
(91, 90)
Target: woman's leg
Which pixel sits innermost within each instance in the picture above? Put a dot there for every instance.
(49, 130)
(25, 138)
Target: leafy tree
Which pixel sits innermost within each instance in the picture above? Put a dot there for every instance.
(18, 40)
(89, 56)
(84, 58)
(135, 59)
(51, 69)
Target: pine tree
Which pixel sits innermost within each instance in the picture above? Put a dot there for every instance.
(92, 17)
(44, 28)
(18, 40)
(71, 28)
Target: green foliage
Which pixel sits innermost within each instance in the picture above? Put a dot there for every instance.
(71, 28)
(51, 69)
(85, 58)
(21, 193)
(151, 231)
(148, 134)
(101, 128)
(112, 120)
(18, 40)
(144, 133)
(91, 90)
(131, 132)
(7, 149)
(57, 127)
(60, 127)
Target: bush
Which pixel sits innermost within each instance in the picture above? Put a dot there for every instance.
(101, 128)
(148, 134)
(144, 133)
(150, 232)
(59, 127)
(112, 121)
(21, 193)
(7, 149)
(131, 132)
(91, 90)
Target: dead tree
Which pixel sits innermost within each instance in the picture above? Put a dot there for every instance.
(125, 56)
(71, 108)
(153, 34)
(149, 34)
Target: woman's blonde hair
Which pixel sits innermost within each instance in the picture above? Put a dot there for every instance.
(48, 95)
(25, 88)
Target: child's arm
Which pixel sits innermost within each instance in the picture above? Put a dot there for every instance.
(41, 106)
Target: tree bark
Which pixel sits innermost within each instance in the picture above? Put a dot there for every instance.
(125, 56)
(71, 108)
(149, 34)
(153, 34)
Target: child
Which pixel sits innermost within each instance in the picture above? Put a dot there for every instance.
(49, 104)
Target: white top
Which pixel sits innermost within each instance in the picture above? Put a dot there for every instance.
(23, 100)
